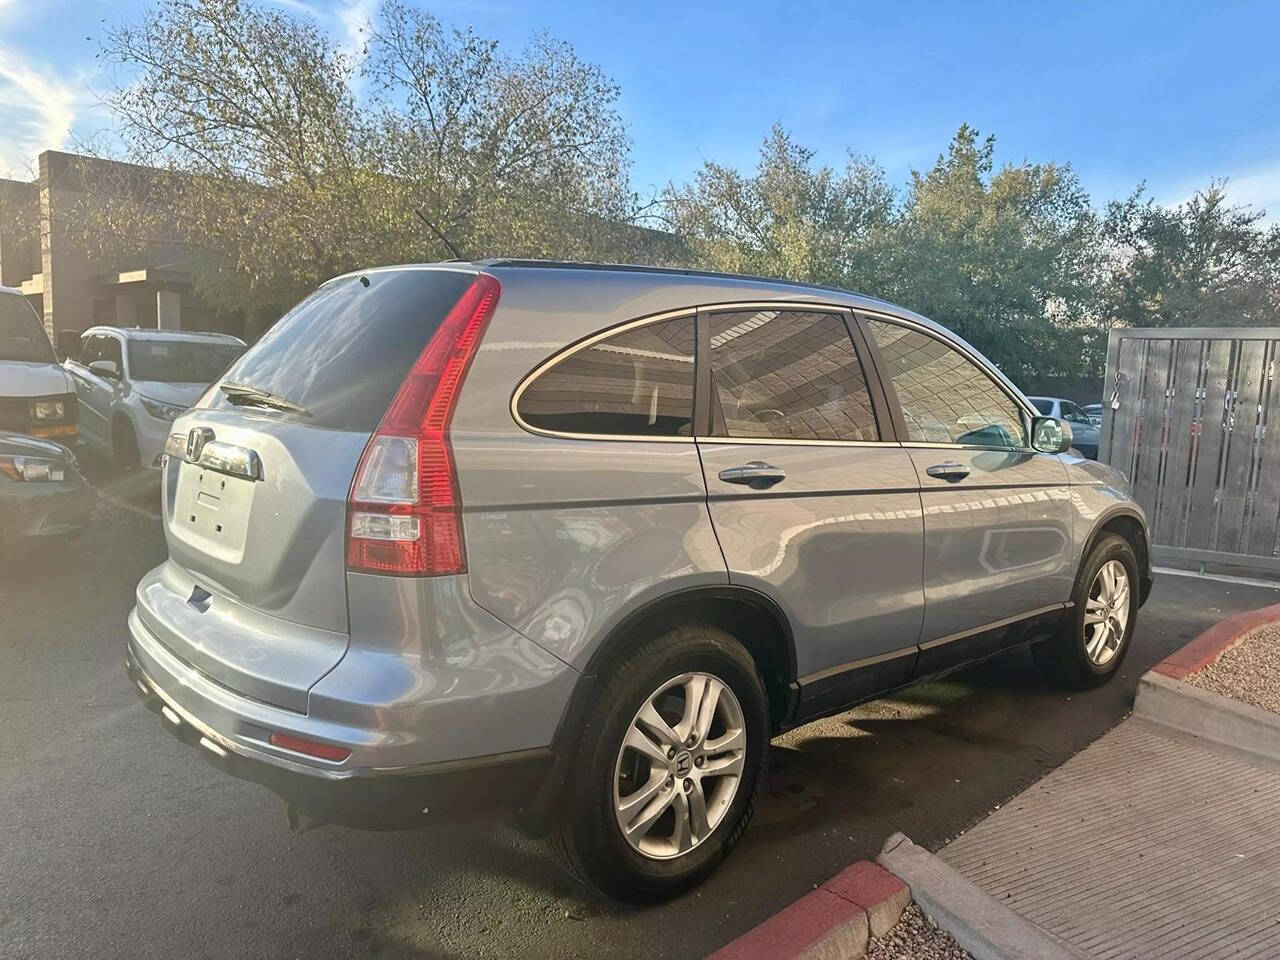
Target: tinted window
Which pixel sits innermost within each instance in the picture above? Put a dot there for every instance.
(344, 351)
(789, 374)
(92, 349)
(180, 361)
(111, 351)
(945, 396)
(22, 335)
(1071, 412)
(639, 383)
(1044, 406)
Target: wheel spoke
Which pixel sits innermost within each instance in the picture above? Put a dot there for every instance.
(1095, 610)
(653, 721)
(734, 739)
(639, 741)
(698, 811)
(707, 709)
(649, 814)
(1099, 640)
(633, 802)
(694, 691)
(727, 764)
(682, 837)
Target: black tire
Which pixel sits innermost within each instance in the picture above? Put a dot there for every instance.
(124, 445)
(1063, 657)
(586, 835)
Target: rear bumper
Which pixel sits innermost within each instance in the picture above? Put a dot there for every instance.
(359, 797)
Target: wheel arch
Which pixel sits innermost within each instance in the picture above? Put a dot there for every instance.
(1127, 522)
(751, 616)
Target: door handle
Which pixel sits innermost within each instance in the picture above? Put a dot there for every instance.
(950, 471)
(757, 474)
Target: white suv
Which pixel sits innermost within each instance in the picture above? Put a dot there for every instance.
(133, 384)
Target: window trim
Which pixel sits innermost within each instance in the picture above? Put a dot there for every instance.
(900, 422)
(590, 341)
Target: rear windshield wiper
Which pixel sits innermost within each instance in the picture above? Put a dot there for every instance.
(243, 395)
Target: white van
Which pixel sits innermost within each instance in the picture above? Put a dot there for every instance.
(37, 397)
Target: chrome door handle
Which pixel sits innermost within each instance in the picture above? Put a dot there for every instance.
(757, 474)
(950, 471)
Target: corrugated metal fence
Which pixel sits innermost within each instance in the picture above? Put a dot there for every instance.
(1186, 416)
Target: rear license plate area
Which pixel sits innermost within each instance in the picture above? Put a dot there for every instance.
(212, 510)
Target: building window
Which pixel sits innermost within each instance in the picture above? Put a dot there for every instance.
(789, 374)
(945, 396)
(637, 383)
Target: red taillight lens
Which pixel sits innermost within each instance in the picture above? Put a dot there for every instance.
(404, 515)
(311, 748)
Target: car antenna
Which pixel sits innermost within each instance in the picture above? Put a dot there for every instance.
(443, 239)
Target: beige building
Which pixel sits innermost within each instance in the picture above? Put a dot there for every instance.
(44, 252)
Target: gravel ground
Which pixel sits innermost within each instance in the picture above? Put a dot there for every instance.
(1249, 671)
(914, 937)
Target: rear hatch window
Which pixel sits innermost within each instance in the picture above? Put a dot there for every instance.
(342, 353)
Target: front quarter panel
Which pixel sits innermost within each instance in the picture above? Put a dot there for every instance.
(1100, 493)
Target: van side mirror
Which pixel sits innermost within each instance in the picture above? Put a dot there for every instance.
(1051, 435)
(106, 369)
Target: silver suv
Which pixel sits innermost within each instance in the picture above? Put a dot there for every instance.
(577, 541)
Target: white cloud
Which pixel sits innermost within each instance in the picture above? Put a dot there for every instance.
(354, 17)
(37, 111)
(1257, 187)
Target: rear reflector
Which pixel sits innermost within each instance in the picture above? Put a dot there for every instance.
(404, 514)
(311, 748)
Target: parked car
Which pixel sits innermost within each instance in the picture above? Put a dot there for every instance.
(1084, 432)
(36, 396)
(1094, 412)
(579, 540)
(43, 497)
(132, 384)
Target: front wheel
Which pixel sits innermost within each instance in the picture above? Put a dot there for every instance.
(666, 771)
(1091, 644)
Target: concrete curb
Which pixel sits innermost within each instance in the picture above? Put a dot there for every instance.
(1164, 696)
(834, 922)
(1214, 642)
(986, 928)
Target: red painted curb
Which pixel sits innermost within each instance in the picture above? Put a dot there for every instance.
(863, 895)
(1210, 645)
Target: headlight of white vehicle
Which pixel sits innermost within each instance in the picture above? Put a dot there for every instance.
(162, 411)
(32, 469)
(48, 410)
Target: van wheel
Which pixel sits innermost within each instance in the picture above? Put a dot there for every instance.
(124, 445)
(1090, 646)
(666, 771)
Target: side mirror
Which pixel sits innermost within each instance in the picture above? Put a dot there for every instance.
(1050, 435)
(105, 368)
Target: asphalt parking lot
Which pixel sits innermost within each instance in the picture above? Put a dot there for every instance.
(118, 841)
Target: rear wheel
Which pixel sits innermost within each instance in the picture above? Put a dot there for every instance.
(124, 445)
(665, 774)
(1091, 644)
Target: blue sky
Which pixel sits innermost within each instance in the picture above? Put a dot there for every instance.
(1171, 93)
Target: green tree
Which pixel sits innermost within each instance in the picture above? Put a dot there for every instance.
(789, 219)
(1205, 262)
(291, 160)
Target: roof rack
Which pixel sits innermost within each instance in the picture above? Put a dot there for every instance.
(669, 271)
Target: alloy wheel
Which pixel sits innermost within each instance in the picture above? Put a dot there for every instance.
(1106, 614)
(679, 766)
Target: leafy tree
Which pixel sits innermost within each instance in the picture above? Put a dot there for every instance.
(291, 161)
(789, 219)
(1205, 262)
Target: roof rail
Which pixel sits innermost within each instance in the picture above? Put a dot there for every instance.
(670, 271)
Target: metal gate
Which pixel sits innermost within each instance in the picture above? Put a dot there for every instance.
(1185, 417)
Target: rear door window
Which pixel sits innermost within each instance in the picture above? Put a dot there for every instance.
(636, 383)
(789, 374)
(343, 352)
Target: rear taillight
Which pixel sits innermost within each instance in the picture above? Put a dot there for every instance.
(404, 514)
